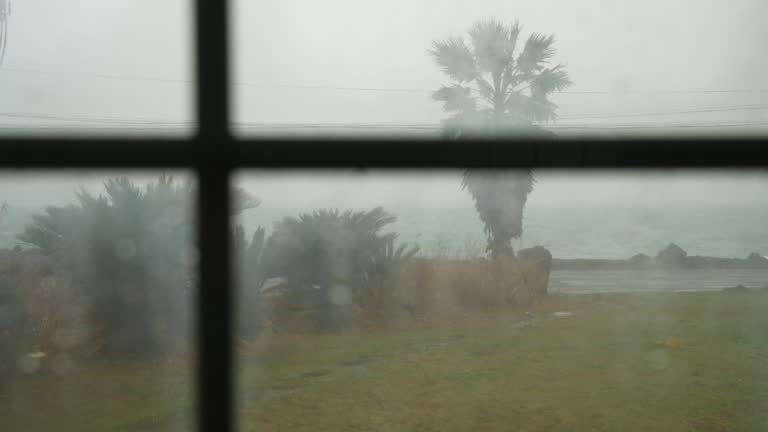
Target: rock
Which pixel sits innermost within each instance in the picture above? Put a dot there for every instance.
(536, 265)
(756, 259)
(640, 259)
(737, 288)
(672, 255)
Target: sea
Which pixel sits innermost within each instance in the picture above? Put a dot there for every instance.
(609, 232)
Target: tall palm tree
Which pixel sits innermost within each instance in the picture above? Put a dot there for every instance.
(496, 91)
(500, 197)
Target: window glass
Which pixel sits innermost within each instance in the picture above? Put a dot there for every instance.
(97, 289)
(95, 67)
(344, 68)
(498, 300)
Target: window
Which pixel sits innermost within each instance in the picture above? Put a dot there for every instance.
(368, 300)
(213, 154)
(97, 293)
(87, 68)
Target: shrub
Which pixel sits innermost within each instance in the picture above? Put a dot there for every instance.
(336, 261)
(130, 252)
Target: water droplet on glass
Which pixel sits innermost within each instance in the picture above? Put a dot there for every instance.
(125, 249)
(28, 364)
(340, 295)
(657, 359)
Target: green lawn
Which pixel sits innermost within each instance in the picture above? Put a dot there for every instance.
(598, 370)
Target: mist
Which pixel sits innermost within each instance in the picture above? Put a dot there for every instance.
(112, 67)
(553, 188)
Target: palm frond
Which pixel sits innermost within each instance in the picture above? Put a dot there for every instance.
(490, 41)
(243, 200)
(542, 110)
(550, 80)
(455, 98)
(485, 89)
(512, 36)
(455, 59)
(536, 53)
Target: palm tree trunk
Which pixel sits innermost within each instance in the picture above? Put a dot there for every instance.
(498, 104)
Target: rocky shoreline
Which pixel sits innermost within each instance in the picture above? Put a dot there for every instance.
(671, 257)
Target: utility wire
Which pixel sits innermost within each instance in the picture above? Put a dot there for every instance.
(367, 89)
(390, 128)
(145, 122)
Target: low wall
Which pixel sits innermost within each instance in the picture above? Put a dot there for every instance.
(486, 285)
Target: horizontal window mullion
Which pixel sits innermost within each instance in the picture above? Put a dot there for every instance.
(319, 153)
(634, 153)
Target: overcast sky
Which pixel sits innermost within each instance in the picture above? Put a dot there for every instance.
(606, 45)
(116, 62)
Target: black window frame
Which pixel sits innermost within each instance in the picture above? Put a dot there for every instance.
(213, 154)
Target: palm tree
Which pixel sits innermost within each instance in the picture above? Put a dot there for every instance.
(500, 197)
(497, 90)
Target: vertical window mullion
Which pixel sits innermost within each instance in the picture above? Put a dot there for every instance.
(214, 367)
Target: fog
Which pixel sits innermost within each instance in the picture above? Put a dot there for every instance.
(34, 190)
(553, 188)
(345, 189)
(122, 67)
(433, 313)
(630, 49)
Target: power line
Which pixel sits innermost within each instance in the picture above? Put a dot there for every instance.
(88, 119)
(144, 121)
(665, 113)
(389, 128)
(369, 89)
(331, 126)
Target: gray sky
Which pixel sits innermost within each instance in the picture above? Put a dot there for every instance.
(59, 53)
(87, 59)
(607, 45)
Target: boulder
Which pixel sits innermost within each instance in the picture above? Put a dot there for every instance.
(536, 265)
(757, 260)
(641, 260)
(737, 289)
(672, 255)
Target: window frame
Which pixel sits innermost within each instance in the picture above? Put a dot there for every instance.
(213, 154)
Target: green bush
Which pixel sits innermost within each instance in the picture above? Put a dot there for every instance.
(131, 252)
(337, 260)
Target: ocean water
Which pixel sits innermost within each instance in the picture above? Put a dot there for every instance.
(576, 232)
(568, 232)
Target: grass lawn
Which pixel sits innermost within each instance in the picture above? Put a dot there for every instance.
(601, 369)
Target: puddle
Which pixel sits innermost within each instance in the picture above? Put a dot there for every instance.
(315, 373)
